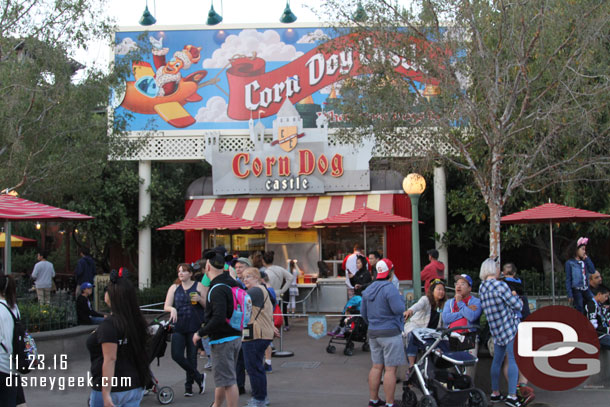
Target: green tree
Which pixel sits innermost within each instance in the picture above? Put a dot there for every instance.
(517, 92)
(54, 128)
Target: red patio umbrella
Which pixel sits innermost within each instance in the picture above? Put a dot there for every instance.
(552, 212)
(214, 221)
(13, 208)
(365, 216)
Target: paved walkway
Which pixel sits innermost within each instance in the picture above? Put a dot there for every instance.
(311, 377)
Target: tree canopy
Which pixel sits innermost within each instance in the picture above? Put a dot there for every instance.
(516, 91)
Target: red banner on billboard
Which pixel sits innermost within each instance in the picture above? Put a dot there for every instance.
(253, 92)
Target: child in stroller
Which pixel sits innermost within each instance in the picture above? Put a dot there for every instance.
(160, 333)
(440, 372)
(350, 329)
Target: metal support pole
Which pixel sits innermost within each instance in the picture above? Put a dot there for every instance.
(144, 237)
(552, 262)
(440, 215)
(7, 247)
(415, 245)
(282, 353)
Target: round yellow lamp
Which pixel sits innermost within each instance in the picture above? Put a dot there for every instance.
(414, 185)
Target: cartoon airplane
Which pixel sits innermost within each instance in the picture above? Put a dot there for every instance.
(141, 95)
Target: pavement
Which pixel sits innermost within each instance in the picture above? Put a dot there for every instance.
(312, 377)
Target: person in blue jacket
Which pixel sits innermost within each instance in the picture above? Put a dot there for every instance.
(578, 269)
(463, 309)
(382, 309)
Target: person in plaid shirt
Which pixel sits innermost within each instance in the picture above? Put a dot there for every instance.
(501, 306)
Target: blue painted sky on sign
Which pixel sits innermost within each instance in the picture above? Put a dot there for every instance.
(277, 46)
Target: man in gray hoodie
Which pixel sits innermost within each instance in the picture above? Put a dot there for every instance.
(382, 309)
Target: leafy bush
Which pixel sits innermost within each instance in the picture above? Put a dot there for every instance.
(38, 318)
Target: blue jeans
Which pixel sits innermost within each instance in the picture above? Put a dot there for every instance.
(180, 341)
(240, 369)
(254, 359)
(129, 398)
(96, 320)
(580, 298)
(604, 342)
(496, 367)
(413, 345)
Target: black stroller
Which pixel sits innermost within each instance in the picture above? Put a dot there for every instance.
(351, 329)
(160, 334)
(440, 372)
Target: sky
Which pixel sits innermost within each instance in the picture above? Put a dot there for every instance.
(127, 13)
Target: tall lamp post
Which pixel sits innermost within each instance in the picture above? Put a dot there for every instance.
(414, 185)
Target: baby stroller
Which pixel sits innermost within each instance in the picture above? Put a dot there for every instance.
(160, 334)
(351, 329)
(439, 373)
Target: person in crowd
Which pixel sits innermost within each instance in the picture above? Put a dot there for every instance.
(117, 348)
(382, 309)
(600, 319)
(433, 270)
(425, 313)
(43, 278)
(501, 307)
(293, 291)
(85, 270)
(204, 345)
(509, 273)
(273, 296)
(516, 285)
(577, 271)
(184, 301)
(241, 265)
(224, 340)
(463, 309)
(595, 281)
(257, 261)
(374, 257)
(280, 280)
(259, 336)
(8, 306)
(351, 268)
(85, 314)
(362, 278)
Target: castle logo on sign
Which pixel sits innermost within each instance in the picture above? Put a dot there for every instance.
(298, 160)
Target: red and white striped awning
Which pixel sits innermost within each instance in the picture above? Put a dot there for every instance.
(290, 212)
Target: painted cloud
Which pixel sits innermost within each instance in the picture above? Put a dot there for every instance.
(215, 110)
(267, 45)
(312, 38)
(126, 46)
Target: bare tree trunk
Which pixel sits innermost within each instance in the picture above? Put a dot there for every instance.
(495, 213)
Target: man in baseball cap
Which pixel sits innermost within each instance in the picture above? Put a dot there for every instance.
(382, 309)
(85, 314)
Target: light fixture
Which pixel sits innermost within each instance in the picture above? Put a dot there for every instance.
(75, 230)
(61, 231)
(213, 17)
(414, 185)
(147, 18)
(288, 16)
(38, 225)
(360, 15)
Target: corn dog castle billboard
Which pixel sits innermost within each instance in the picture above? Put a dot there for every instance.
(250, 79)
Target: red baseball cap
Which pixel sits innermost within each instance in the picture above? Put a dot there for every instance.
(383, 268)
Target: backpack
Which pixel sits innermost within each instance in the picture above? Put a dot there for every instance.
(25, 353)
(242, 307)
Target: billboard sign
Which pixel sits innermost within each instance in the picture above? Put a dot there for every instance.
(215, 79)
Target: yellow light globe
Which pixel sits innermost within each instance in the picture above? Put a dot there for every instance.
(414, 184)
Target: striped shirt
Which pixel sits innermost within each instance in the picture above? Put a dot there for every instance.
(501, 308)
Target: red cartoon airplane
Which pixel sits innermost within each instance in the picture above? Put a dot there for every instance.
(139, 98)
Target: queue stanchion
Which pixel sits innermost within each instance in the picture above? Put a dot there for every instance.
(281, 353)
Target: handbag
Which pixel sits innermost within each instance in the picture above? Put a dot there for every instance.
(248, 331)
(278, 319)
